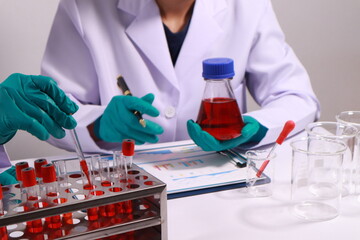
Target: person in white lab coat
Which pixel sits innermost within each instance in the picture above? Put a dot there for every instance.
(158, 46)
(34, 104)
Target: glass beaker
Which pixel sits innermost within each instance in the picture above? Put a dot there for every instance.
(316, 178)
(353, 118)
(349, 117)
(219, 113)
(341, 132)
(262, 185)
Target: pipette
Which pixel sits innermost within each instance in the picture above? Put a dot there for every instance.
(288, 127)
(79, 152)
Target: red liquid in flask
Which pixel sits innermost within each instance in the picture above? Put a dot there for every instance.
(221, 118)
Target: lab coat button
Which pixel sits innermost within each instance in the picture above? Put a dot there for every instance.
(170, 112)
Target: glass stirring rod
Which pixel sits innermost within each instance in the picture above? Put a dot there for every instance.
(80, 154)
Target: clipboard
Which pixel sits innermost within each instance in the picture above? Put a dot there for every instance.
(188, 170)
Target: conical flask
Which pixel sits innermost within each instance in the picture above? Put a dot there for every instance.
(219, 113)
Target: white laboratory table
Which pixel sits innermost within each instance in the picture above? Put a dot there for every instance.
(232, 215)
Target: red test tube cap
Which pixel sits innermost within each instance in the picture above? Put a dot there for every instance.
(128, 146)
(48, 172)
(18, 167)
(28, 177)
(38, 163)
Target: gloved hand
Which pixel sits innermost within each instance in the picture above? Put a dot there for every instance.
(253, 131)
(34, 104)
(8, 177)
(118, 121)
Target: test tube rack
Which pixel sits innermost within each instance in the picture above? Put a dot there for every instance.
(148, 219)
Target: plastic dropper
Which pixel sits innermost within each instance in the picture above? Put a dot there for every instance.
(288, 127)
(80, 154)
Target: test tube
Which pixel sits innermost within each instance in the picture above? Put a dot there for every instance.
(106, 181)
(122, 166)
(3, 231)
(92, 214)
(51, 192)
(86, 167)
(128, 147)
(95, 166)
(49, 179)
(61, 172)
(117, 168)
(31, 192)
(18, 167)
(37, 164)
(104, 172)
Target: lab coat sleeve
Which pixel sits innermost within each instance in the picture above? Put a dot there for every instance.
(75, 73)
(4, 159)
(278, 82)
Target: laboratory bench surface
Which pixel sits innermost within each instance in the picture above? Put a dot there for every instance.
(232, 215)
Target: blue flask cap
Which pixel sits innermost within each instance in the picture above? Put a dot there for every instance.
(218, 68)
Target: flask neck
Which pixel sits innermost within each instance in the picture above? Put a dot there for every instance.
(218, 88)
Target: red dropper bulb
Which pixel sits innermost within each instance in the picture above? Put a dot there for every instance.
(288, 127)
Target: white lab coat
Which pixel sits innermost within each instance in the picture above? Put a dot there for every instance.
(92, 42)
(4, 159)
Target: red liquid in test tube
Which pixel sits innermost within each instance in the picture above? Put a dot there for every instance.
(31, 192)
(107, 210)
(92, 214)
(3, 231)
(85, 169)
(51, 192)
(128, 148)
(104, 173)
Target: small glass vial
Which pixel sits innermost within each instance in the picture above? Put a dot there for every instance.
(219, 113)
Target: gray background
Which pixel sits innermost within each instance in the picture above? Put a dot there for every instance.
(325, 35)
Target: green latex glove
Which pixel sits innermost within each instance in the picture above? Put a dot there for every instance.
(253, 131)
(34, 104)
(118, 121)
(8, 177)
